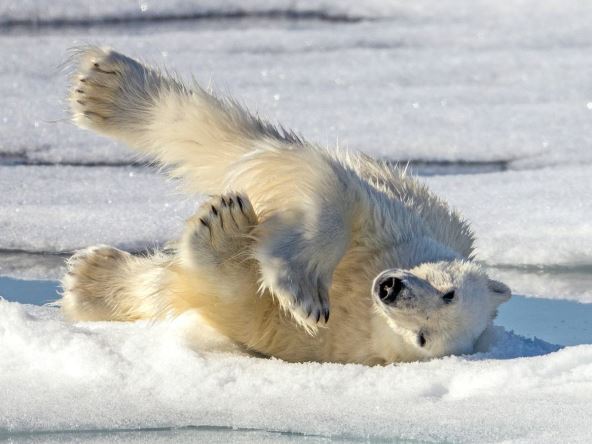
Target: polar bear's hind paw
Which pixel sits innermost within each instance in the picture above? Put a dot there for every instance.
(92, 275)
(95, 87)
(110, 91)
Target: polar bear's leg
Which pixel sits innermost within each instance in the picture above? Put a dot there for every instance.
(107, 284)
(104, 283)
(196, 134)
(301, 194)
(295, 254)
(217, 274)
(309, 211)
(115, 95)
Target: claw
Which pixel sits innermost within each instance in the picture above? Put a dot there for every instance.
(98, 68)
(318, 316)
(90, 114)
(240, 202)
(214, 210)
(326, 315)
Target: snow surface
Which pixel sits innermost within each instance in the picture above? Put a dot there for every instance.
(531, 218)
(456, 86)
(492, 82)
(62, 208)
(537, 217)
(114, 10)
(87, 376)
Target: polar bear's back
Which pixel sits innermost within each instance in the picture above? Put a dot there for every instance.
(446, 225)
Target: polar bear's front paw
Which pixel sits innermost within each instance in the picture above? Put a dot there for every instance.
(220, 232)
(303, 294)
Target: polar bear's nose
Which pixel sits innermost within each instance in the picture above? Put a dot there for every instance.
(388, 288)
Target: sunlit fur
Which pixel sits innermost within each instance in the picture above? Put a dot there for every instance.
(322, 225)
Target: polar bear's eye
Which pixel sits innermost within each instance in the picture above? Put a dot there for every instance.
(421, 340)
(448, 297)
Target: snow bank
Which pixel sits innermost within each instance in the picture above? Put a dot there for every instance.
(456, 80)
(59, 376)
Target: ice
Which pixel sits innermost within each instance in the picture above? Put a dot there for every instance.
(89, 376)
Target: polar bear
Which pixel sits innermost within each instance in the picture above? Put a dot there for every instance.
(300, 252)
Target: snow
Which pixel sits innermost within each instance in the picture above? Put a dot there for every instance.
(495, 94)
(491, 82)
(89, 376)
(63, 208)
(526, 218)
(549, 282)
(113, 10)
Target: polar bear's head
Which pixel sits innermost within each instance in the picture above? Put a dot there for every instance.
(439, 308)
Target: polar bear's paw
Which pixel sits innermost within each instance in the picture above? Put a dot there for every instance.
(92, 274)
(220, 232)
(108, 90)
(302, 293)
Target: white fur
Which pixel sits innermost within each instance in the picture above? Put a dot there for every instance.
(322, 226)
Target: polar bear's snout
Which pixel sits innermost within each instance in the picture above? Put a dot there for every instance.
(401, 289)
(394, 287)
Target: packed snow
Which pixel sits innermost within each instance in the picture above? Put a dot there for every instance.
(456, 86)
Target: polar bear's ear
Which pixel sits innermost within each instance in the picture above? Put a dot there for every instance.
(499, 291)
